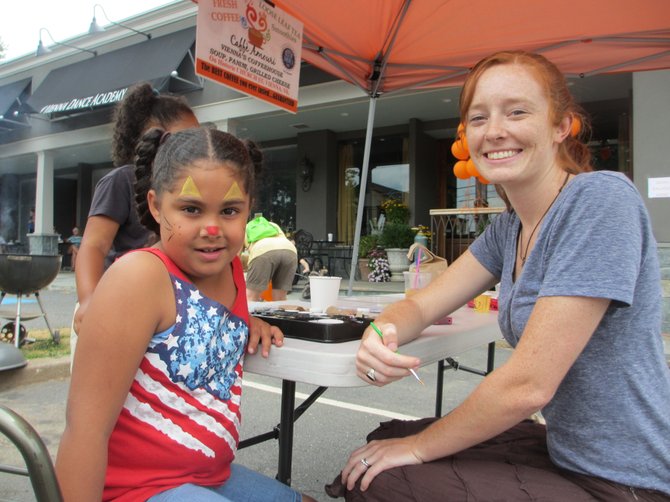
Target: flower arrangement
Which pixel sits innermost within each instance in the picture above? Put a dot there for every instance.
(380, 271)
(395, 211)
(423, 230)
(396, 232)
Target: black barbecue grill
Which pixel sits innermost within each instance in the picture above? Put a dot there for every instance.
(24, 275)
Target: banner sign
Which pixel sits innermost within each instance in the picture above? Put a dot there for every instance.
(88, 102)
(251, 46)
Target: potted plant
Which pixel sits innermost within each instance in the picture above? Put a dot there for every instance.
(395, 210)
(397, 236)
(365, 247)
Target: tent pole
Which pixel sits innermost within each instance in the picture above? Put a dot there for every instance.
(361, 195)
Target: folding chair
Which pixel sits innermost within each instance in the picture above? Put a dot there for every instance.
(40, 468)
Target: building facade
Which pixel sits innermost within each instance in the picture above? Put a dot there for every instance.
(55, 135)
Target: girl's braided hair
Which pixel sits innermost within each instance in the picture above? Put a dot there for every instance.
(143, 107)
(161, 158)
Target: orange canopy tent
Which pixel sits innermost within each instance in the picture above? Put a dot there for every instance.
(387, 45)
(384, 46)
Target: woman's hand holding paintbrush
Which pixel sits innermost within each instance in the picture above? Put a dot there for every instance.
(378, 359)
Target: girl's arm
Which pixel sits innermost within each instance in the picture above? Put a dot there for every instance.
(557, 332)
(95, 245)
(405, 320)
(133, 300)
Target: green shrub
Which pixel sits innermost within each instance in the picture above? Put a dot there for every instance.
(396, 235)
(367, 244)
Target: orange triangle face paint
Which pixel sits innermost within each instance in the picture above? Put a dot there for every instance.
(234, 192)
(190, 189)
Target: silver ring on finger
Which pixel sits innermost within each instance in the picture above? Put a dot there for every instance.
(364, 461)
(371, 374)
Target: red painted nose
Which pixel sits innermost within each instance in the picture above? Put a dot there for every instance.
(212, 230)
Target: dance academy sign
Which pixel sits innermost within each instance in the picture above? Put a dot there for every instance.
(251, 46)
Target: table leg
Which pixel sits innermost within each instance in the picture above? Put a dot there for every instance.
(451, 363)
(286, 432)
(439, 387)
(490, 363)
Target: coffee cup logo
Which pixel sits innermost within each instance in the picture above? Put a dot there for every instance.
(257, 26)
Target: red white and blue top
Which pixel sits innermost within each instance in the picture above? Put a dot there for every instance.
(180, 422)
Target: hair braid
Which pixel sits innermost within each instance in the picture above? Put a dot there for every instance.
(142, 108)
(130, 120)
(144, 160)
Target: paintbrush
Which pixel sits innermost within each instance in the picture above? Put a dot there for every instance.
(379, 332)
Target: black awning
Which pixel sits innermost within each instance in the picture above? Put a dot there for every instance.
(12, 99)
(103, 80)
(11, 94)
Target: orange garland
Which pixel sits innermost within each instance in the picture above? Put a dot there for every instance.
(465, 167)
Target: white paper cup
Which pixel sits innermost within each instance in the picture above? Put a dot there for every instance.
(323, 292)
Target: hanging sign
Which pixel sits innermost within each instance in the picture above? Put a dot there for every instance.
(251, 46)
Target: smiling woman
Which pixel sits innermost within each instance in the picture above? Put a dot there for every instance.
(570, 316)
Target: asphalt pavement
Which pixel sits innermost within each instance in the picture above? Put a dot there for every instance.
(323, 438)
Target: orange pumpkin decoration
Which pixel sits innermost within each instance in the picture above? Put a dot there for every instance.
(576, 126)
(459, 149)
(461, 170)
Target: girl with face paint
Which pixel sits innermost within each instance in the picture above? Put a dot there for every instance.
(113, 227)
(154, 405)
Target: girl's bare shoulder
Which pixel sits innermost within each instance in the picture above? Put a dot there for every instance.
(138, 282)
(139, 268)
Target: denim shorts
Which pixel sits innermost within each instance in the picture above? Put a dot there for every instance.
(243, 485)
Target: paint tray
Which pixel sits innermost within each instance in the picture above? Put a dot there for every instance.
(316, 327)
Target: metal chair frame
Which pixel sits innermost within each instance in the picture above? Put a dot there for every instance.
(40, 469)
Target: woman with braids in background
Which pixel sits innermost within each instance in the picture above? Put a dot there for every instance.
(113, 227)
(580, 302)
(157, 417)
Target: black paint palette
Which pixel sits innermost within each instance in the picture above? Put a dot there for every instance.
(315, 327)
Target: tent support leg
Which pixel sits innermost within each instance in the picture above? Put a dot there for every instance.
(361, 195)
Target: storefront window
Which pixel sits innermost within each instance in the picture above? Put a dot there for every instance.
(388, 176)
(276, 187)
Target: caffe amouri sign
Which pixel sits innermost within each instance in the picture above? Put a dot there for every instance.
(252, 47)
(74, 104)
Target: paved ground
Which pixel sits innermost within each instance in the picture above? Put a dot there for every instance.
(324, 435)
(336, 424)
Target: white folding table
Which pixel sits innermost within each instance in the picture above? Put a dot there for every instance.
(334, 364)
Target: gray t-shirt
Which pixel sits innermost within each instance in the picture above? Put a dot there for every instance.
(114, 197)
(610, 416)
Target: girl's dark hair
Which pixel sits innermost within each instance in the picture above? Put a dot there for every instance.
(142, 108)
(162, 157)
